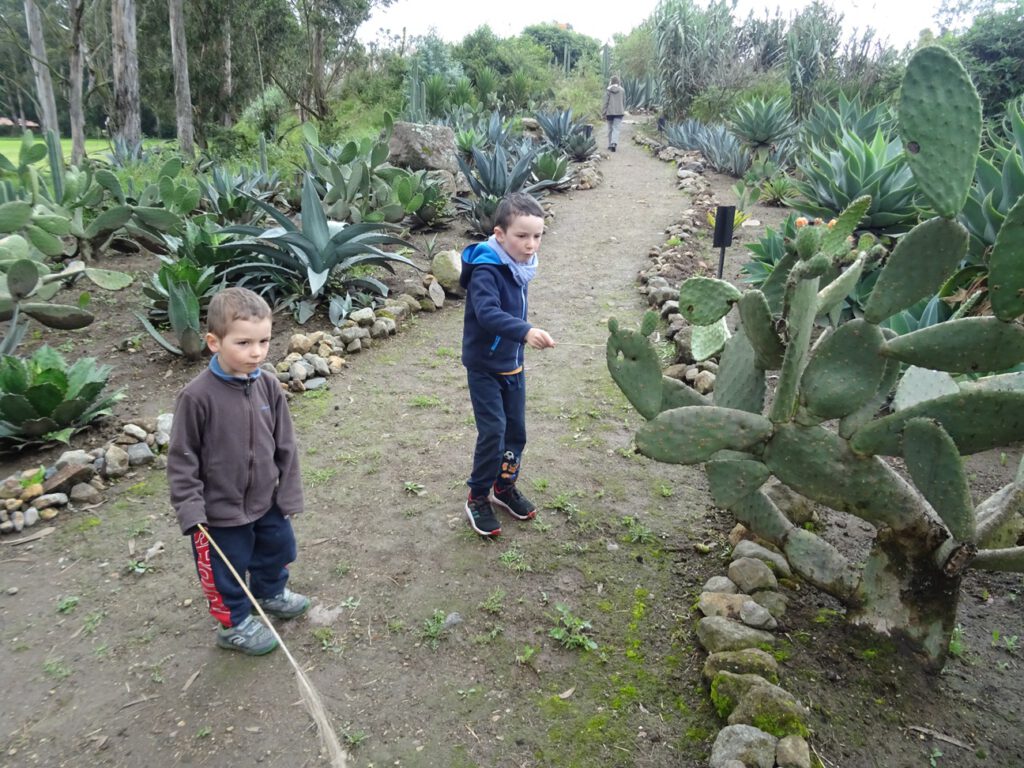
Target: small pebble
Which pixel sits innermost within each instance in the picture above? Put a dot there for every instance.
(12, 590)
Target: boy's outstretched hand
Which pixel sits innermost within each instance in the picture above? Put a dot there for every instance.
(538, 338)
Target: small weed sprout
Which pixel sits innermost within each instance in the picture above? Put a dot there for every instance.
(138, 567)
(540, 526)
(637, 532)
(571, 631)
(56, 668)
(92, 621)
(540, 484)
(665, 491)
(426, 401)
(495, 602)
(327, 639)
(351, 602)
(342, 568)
(354, 738)
(203, 732)
(957, 645)
(413, 488)
(67, 604)
(433, 628)
(525, 656)
(514, 560)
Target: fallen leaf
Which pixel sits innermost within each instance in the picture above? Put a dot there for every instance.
(568, 693)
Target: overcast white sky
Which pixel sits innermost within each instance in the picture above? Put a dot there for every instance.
(898, 20)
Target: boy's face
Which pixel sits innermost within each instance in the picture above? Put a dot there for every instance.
(241, 350)
(521, 238)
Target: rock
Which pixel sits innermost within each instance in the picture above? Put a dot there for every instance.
(775, 602)
(379, 330)
(658, 296)
(12, 504)
(586, 177)
(452, 619)
(794, 506)
(769, 707)
(49, 513)
(752, 747)
(139, 455)
(722, 604)
(31, 491)
(348, 335)
(363, 317)
(748, 661)
(50, 500)
(774, 560)
(411, 302)
(320, 366)
(134, 430)
(729, 688)
(757, 616)
(335, 363)
(389, 324)
(83, 493)
(670, 307)
(428, 305)
(298, 371)
(423, 147)
(750, 575)
(10, 488)
(683, 341)
(704, 382)
(354, 346)
(315, 383)
(115, 462)
(31, 517)
(739, 533)
(446, 266)
(300, 344)
(720, 584)
(451, 184)
(18, 520)
(793, 752)
(69, 476)
(6, 527)
(436, 294)
(717, 634)
(72, 457)
(675, 371)
(12, 591)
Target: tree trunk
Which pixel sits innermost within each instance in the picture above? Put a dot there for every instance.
(76, 65)
(227, 88)
(126, 122)
(41, 68)
(182, 91)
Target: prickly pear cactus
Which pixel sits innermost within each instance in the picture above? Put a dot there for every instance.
(825, 432)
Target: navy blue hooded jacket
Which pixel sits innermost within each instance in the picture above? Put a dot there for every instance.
(495, 324)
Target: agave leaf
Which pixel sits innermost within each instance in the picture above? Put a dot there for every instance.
(13, 375)
(157, 337)
(44, 397)
(68, 412)
(16, 409)
(85, 372)
(34, 428)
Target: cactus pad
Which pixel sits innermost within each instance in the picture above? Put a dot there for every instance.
(833, 242)
(940, 124)
(1006, 266)
(708, 340)
(917, 266)
(692, 435)
(740, 383)
(976, 421)
(635, 367)
(935, 465)
(802, 305)
(731, 481)
(705, 300)
(844, 372)
(968, 345)
(832, 295)
(759, 328)
(676, 394)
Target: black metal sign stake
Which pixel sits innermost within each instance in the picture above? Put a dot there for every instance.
(725, 215)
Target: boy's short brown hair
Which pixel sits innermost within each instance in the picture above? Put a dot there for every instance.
(233, 304)
(515, 205)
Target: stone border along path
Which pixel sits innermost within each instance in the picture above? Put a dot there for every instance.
(581, 266)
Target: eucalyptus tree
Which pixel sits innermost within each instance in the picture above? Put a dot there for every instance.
(182, 93)
(41, 67)
(126, 117)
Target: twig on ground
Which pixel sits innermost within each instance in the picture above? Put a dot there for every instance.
(940, 736)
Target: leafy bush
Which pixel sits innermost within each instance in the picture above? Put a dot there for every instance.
(47, 401)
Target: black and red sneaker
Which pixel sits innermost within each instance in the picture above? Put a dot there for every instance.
(481, 516)
(513, 502)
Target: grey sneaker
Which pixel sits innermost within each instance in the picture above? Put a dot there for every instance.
(287, 605)
(251, 637)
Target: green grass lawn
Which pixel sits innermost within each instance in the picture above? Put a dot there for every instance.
(11, 145)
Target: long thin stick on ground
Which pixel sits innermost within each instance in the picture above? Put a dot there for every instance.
(309, 694)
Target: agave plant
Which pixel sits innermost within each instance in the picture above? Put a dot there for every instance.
(642, 93)
(761, 123)
(832, 179)
(229, 198)
(45, 401)
(723, 151)
(176, 292)
(467, 140)
(824, 125)
(779, 190)
(310, 257)
(551, 166)
(493, 174)
(581, 146)
(685, 135)
(558, 127)
(998, 183)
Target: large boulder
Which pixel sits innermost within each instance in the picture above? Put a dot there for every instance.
(423, 147)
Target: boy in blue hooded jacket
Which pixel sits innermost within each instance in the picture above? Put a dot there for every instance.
(495, 275)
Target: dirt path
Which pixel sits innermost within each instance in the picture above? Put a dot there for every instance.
(110, 668)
